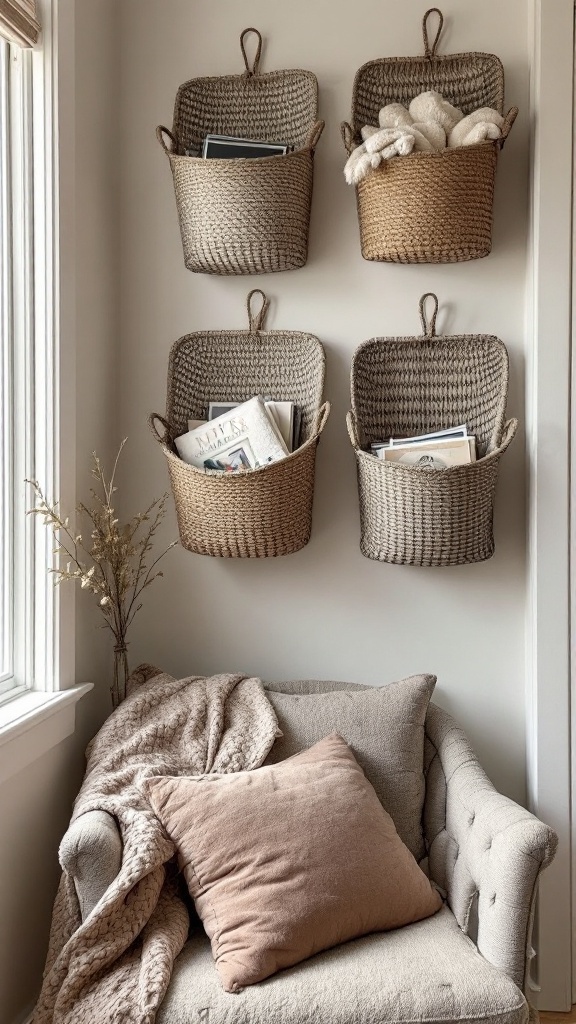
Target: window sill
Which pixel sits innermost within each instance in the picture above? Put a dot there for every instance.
(33, 723)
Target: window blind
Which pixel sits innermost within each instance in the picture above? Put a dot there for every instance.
(19, 21)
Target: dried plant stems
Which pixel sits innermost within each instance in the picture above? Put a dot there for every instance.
(114, 563)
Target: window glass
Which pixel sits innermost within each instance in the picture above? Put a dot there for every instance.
(16, 366)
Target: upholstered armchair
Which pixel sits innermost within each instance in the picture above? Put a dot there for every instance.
(467, 962)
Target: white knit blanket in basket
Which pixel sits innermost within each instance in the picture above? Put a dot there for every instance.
(116, 965)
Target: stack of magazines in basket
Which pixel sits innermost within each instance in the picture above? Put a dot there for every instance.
(231, 147)
(241, 436)
(439, 450)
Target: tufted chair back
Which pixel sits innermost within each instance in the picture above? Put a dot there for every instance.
(475, 841)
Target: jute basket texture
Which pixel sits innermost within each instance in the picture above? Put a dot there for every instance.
(248, 513)
(402, 387)
(245, 216)
(428, 207)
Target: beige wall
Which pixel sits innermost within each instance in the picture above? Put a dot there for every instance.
(326, 611)
(35, 805)
(34, 809)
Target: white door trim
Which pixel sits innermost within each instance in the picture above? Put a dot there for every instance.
(548, 419)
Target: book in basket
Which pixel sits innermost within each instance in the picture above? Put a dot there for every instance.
(286, 416)
(243, 438)
(433, 455)
(439, 450)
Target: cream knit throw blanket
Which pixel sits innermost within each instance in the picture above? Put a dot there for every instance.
(115, 967)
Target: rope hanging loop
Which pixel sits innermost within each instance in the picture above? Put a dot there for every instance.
(250, 71)
(428, 326)
(430, 51)
(256, 320)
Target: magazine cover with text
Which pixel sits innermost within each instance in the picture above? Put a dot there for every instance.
(243, 438)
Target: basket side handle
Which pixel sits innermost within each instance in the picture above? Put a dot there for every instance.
(167, 437)
(497, 447)
(347, 133)
(161, 131)
(508, 433)
(430, 51)
(256, 320)
(353, 433)
(321, 417)
(508, 122)
(314, 134)
(250, 71)
(428, 326)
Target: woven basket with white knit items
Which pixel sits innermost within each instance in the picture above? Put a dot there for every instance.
(425, 195)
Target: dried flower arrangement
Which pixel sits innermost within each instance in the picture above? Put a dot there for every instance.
(113, 564)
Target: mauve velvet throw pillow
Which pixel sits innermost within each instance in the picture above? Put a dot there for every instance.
(289, 859)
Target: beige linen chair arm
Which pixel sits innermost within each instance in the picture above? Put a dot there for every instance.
(482, 848)
(91, 852)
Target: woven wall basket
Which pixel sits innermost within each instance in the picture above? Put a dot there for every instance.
(249, 513)
(245, 216)
(428, 207)
(407, 386)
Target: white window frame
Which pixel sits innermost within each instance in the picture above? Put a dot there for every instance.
(38, 719)
(6, 570)
(17, 360)
(47, 704)
(30, 366)
(43, 665)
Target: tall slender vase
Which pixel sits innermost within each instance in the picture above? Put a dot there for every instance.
(120, 678)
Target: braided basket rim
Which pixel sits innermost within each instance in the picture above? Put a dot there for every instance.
(246, 333)
(297, 73)
(446, 340)
(464, 59)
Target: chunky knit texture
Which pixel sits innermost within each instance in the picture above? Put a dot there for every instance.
(116, 965)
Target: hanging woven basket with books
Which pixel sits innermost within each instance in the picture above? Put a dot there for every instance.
(403, 387)
(250, 513)
(245, 215)
(428, 207)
